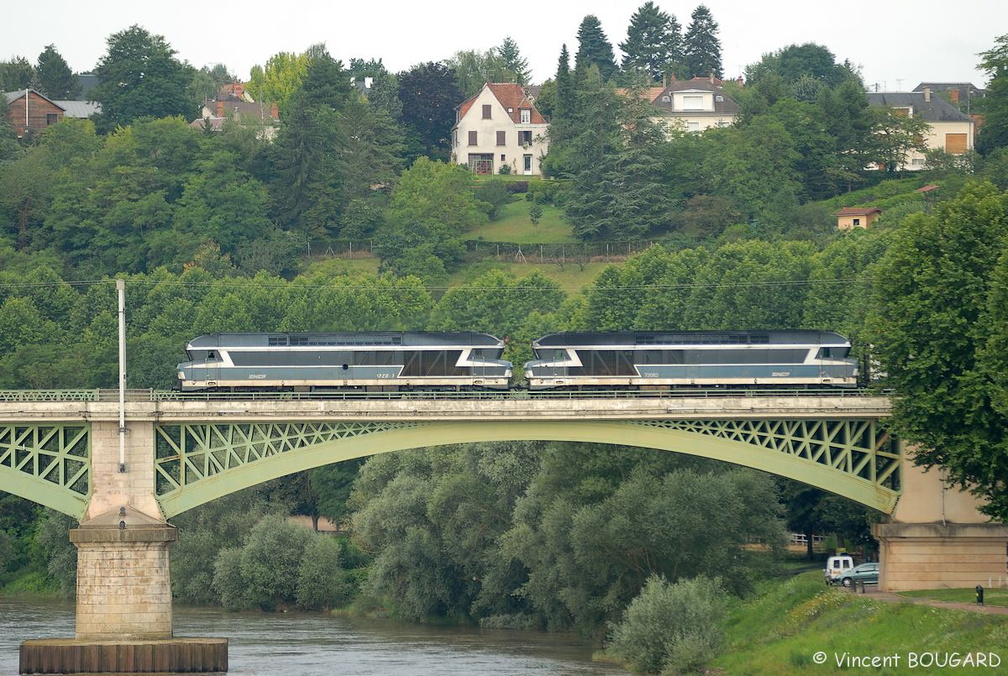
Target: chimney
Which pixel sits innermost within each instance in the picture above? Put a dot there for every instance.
(927, 94)
(220, 108)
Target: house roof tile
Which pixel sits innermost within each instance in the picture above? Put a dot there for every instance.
(512, 97)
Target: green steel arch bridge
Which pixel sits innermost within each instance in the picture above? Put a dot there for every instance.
(53, 445)
(123, 471)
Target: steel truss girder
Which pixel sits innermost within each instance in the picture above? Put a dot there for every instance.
(196, 463)
(49, 464)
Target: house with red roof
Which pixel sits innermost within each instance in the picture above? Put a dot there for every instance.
(500, 127)
(849, 218)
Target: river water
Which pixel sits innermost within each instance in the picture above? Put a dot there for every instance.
(298, 644)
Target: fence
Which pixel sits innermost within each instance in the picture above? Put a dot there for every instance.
(479, 250)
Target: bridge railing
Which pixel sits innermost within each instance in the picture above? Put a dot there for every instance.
(148, 395)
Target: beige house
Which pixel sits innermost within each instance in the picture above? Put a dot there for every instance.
(500, 126)
(950, 129)
(849, 218)
(696, 105)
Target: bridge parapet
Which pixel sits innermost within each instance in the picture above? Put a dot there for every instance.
(738, 406)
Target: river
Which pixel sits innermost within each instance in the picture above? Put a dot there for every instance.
(297, 644)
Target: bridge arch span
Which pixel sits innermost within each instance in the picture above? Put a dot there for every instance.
(198, 463)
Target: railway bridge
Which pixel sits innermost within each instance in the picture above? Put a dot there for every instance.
(124, 470)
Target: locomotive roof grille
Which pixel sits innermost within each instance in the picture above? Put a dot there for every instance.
(631, 338)
(348, 339)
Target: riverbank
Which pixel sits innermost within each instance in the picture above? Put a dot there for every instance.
(800, 626)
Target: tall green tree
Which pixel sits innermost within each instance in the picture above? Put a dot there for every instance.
(16, 74)
(653, 43)
(139, 76)
(326, 82)
(429, 95)
(994, 133)
(594, 48)
(473, 69)
(516, 64)
(279, 79)
(937, 312)
(53, 76)
(617, 191)
(308, 170)
(701, 45)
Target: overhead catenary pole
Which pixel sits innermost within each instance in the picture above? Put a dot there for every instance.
(121, 292)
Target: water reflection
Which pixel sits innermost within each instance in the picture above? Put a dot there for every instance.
(317, 645)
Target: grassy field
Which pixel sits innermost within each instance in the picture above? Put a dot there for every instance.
(513, 225)
(789, 627)
(572, 278)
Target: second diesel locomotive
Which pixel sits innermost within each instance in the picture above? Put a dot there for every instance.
(645, 359)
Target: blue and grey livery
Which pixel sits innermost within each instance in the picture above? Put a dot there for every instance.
(699, 358)
(376, 361)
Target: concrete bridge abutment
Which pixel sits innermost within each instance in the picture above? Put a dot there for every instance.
(124, 600)
(937, 537)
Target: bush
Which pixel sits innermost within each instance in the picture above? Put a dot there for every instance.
(515, 187)
(671, 627)
(322, 582)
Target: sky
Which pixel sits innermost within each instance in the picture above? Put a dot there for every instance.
(895, 43)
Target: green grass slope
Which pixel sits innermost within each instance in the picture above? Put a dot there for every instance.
(802, 627)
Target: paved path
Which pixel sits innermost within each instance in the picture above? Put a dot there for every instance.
(952, 605)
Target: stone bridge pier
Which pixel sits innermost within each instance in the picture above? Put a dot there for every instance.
(938, 538)
(124, 601)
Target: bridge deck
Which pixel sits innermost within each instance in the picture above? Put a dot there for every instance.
(171, 407)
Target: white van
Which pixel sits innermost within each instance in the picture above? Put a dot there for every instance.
(836, 566)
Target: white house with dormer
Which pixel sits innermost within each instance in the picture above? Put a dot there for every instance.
(497, 127)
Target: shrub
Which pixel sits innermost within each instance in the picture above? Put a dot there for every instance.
(515, 187)
(535, 213)
(322, 582)
(671, 627)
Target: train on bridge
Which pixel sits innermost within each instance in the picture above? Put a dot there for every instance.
(386, 361)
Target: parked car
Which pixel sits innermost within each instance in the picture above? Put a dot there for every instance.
(866, 572)
(836, 566)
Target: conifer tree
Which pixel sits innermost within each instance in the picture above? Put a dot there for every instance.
(53, 76)
(514, 61)
(994, 133)
(702, 48)
(594, 48)
(653, 42)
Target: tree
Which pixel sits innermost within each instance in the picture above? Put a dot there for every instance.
(474, 69)
(279, 79)
(139, 76)
(514, 62)
(16, 74)
(896, 136)
(594, 48)
(994, 133)
(653, 43)
(53, 76)
(325, 83)
(937, 321)
(617, 191)
(701, 45)
(795, 62)
(308, 170)
(429, 95)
